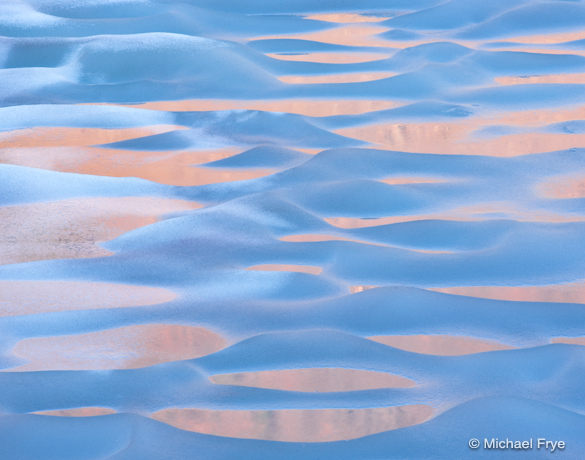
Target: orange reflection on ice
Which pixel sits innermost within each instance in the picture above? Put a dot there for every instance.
(455, 138)
(172, 168)
(358, 34)
(309, 107)
(563, 187)
(444, 345)
(346, 35)
(31, 297)
(343, 18)
(530, 49)
(539, 117)
(295, 425)
(428, 251)
(412, 137)
(312, 238)
(100, 160)
(72, 228)
(363, 33)
(191, 175)
(354, 77)
(443, 133)
(568, 78)
(331, 57)
(361, 288)
(126, 347)
(565, 293)
(315, 380)
(569, 340)
(548, 39)
(59, 137)
(357, 222)
(309, 151)
(78, 412)
(483, 211)
(309, 269)
(319, 237)
(505, 210)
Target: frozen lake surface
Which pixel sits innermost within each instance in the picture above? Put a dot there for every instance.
(295, 229)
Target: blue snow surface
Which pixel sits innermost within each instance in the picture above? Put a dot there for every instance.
(400, 219)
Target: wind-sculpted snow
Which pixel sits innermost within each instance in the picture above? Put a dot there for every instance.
(298, 229)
